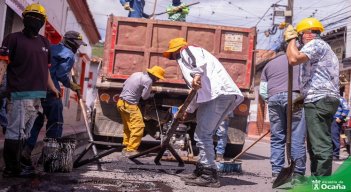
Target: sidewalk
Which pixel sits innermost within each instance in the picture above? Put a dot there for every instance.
(71, 128)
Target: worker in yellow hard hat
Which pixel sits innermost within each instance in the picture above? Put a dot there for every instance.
(28, 79)
(137, 86)
(217, 96)
(319, 80)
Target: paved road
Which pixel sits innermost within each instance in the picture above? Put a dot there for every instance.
(116, 173)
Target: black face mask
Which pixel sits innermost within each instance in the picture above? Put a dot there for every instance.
(70, 44)
(32, 25)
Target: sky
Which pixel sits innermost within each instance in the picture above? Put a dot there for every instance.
(239, 13)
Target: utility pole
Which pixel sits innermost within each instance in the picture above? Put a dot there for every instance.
(288, 20)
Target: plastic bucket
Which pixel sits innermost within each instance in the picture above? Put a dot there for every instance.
(58, 154)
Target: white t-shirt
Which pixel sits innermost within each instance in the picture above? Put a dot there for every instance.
(215, 80)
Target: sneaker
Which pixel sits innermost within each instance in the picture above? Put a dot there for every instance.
(126, 153)
(298, 179)
(219, 157)
(208, 178)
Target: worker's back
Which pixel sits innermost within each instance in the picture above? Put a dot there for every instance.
(133, 87)
(275, 73)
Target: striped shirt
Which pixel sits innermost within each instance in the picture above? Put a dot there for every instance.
(343, 109)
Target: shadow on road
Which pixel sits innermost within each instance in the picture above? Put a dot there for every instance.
(250, 156)
(235, 181)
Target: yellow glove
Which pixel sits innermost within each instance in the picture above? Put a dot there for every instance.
(290, 33)
(74, 86)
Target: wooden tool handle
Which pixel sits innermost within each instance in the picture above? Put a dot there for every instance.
(239, 155)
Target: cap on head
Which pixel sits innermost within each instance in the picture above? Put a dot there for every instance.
(174, 45)
(35, 8)
(309, 24)
(157, 71)
(76, 37)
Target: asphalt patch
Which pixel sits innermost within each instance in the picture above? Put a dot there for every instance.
(54, 183)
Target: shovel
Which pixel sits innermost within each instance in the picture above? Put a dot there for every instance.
(285, 174)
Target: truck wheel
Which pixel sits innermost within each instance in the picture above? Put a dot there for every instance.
(233, 150)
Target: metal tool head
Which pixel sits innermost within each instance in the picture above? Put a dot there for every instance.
(284, 175)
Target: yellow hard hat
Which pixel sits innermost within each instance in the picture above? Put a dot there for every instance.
(174, 45)
(35, 8)
(157, 71)
(309, 24)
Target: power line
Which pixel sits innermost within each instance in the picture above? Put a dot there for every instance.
(336, 22)
(336, 12)
(327, 18)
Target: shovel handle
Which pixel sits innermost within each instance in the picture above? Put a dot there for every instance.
(289, 114)
(239, 155)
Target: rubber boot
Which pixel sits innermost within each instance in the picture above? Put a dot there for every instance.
(26, 158)
(208, 178)
(9, 154)
(195, 174)
(12, 156)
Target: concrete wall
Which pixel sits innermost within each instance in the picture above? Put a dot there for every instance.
(348, 39)
(2, 19)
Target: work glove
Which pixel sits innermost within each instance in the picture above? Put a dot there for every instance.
(290, 33)
(127, 6)
(74, 86)
(176, 9)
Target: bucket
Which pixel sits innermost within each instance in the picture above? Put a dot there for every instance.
(58, 154)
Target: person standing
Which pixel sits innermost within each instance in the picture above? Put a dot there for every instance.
(217, 96)
(135, 8)
(274, 90)
(137, 86)
(319, 83)
(62, 61)
(177, 11)
(339, 118)
(28, 78)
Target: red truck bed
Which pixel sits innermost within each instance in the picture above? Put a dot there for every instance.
(133, 45)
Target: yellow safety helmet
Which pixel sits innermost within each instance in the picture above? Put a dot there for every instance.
(35, 8)
(309, 24)
(157, 71)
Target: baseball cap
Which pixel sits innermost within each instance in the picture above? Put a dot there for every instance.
(76, 37)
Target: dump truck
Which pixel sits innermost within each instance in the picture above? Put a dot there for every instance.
(133, 45)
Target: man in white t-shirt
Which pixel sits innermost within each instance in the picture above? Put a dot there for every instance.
(217, 96)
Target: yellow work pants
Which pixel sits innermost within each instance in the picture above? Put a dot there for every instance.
(133, 124)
